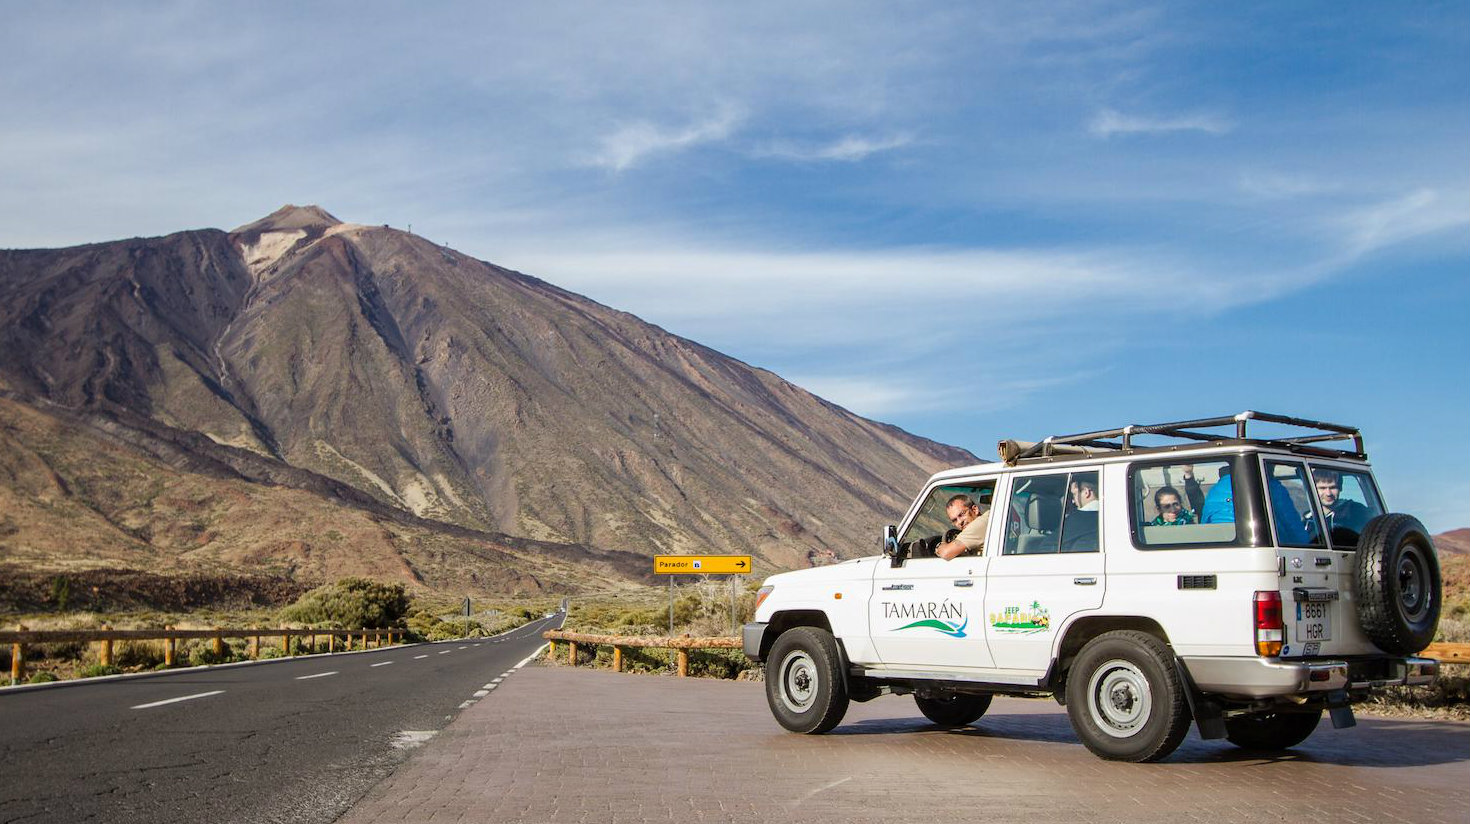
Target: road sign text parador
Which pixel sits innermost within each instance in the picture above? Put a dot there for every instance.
(701, 564)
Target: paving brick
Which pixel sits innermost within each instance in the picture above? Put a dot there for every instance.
(555, 744)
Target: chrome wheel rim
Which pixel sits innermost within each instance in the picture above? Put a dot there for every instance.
(1119, 699)
(799, 681)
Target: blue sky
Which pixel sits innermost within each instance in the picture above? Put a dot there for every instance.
(972, 220)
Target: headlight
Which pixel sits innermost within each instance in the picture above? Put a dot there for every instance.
(760, 594)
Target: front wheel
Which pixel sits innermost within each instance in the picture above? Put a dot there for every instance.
(953, 709)
(1125, 698)
(1271, 730)
(805, 684)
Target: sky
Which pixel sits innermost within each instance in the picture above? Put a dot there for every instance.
(975, 221)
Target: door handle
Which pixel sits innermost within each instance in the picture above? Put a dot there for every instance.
(1084, 582)
(964, 582)
(899, 586)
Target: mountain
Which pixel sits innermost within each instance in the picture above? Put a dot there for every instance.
(396, 377)
(1453, 542)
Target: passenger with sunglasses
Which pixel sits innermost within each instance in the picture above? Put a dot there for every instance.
(1170, 503)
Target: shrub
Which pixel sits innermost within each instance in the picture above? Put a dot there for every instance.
(95, 670)
(41, 677)
(351, 603)
(137, 653)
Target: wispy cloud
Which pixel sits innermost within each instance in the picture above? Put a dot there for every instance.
(849, 149)
(1110, 122)
(1417, 214)
(634, 142)
(1282, 185)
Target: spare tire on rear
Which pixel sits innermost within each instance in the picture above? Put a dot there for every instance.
(1398, 584)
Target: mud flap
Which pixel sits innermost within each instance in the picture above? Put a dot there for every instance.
(1340, 710)
(1208, 714)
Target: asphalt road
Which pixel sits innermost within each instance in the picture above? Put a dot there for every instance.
(294, 740)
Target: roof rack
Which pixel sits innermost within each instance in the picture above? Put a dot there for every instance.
(1107, 441)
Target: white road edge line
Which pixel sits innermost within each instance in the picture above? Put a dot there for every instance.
(481, 693)
(380, 664)
(177, 700)
(317, 675)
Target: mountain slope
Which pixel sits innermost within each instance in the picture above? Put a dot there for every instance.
(453, 389)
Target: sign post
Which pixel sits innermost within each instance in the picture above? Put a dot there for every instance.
(466, 617)
(672, 565)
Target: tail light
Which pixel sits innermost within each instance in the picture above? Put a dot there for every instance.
(1270, 629)
(760, 595)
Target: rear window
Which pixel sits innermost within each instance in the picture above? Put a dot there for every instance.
(1347, 500)
(1183, 504)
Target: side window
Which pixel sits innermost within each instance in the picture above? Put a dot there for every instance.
(1183, 504)
(1347, 501)
(1079, 525)
(1054, 513)
(1293, 514)
(930, 525)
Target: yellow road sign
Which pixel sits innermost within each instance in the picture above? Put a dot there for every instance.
(701, 564)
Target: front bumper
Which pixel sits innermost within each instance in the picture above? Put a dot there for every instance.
(751, 636)
(1266, 677)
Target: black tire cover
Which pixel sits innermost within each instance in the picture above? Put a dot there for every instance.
(1398, 584)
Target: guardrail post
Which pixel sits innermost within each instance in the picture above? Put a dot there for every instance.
(254, 650)
(286, 643)
(219, 643)
(18, 660)
(617, 659)
(170, 646)
(550, 650)
(364, 638)
(572, 653)
(331, 642)
(104, 655)
(683, 662)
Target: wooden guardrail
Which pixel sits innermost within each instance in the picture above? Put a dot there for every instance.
(1446, 653)
(170, 636)
(680, 644)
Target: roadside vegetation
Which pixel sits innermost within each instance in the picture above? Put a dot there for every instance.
(351, 603)
(702, 609)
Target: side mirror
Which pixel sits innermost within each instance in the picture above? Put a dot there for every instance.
(891, 548)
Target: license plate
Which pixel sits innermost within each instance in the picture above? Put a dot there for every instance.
(1314, 621)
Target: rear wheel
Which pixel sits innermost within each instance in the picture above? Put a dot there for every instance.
(953, 709)
(805, 684)
(1125, 699)
(1271, 730)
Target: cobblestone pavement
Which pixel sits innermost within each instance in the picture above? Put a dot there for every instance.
(562, 745)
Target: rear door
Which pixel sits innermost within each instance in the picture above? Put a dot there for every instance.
(1317, 514)
(1048, 568)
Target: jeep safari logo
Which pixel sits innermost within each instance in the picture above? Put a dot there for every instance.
(942, 616)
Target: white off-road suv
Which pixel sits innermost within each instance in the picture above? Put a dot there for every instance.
(1142, 576)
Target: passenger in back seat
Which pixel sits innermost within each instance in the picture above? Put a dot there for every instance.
(1079, 532)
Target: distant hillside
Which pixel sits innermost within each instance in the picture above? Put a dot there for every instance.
(1454, 542)
(79, 494)
(401, 379)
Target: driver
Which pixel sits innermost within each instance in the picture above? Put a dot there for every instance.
(971, 521)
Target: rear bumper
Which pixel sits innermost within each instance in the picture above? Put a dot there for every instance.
(1266, 677)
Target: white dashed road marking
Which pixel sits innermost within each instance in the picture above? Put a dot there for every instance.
(417, 657)
(381, 664)
(481, 693)
(446, 652)
(177, 700)
(317, 675)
